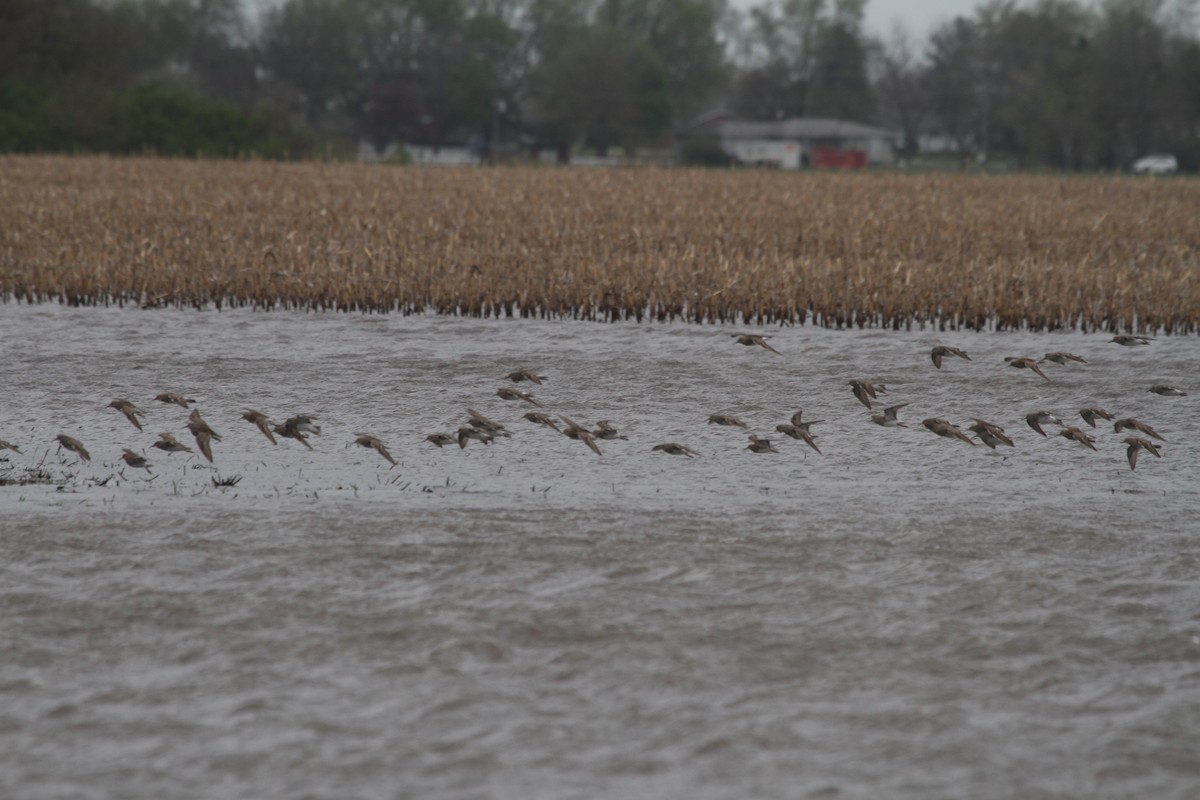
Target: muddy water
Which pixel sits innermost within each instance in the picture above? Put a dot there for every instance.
(898, 616)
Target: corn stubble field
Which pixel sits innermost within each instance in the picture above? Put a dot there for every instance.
(832, 249)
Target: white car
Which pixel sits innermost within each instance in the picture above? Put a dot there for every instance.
(1158, 164)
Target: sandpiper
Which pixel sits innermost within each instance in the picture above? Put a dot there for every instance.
(725, 419)
(796, 420)
(946, 429)
(1167, 391)
(525, 374)
(888, 418)
(134, 460)
(9, 446)
(261, 422)
(1130, 341)
(1090, 415)
(941, 351)
(798, 432)
(605, 430)
(675, 449)
(1129, 423)
(990, 434)
(1078, 435)
(508, 393)
(170, 444)
(441, 439)
(1059, 357)
(196, 424)
(1137, 443)
(295, 428)
(466, 433)
(542, 419)
(486, 425)
(173, 397)
(129, 410)
(1039, 418)
(576, 431)
(750, 339)
(367, 440)
(866, 391)
(1020, 362)
(758, 445)
(74, 445)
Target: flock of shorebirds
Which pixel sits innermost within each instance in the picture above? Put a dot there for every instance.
(481, 429)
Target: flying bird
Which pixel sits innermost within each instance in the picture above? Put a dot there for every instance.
(798, 432)
(1039, 418)
(758, 445)
(725, 419)
(542, 419)
(990, 434)
(524, 374)
(675, 449)
(576, 431)
(129, 410)
(1130, 341)
(866, 391)
(440, 439)
(1137, 443)
(134, 460)
(888, 418)
(1059, 357)
(1025, 363)
(170, 444)
(1167, 391)
(1129, 423)
(941, 351)
(260, 421)
(750, 339)
(1090, 415)
(367, 440)
(946, 429)
(508, 393)
(173, 397)
(74, 445)
(1078, 435)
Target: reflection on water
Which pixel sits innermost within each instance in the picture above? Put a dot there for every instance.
(899, 616)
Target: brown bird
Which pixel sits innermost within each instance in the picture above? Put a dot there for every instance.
(604, 430)
(1025, 363)
(1079, 436)
(1130, 341)
(441, 439)
(295, 428)
(466, 433)
(261, 422)
(1129, 423)
(725, 419)
(990, 434)
(798, 432)
(481, 422)
(675, 449)
(9, 446)
(524, 374)
(1039, 418)
(750, 339)
(1059, 357)
(946, 429)
(758, 445)
(576, 431)
(888, 418)
(941, 351)
(796, 420)
(1137, 443)
(203, 434)
(129, 410)
(542, 419)
(170, 444)
(1090, 415)
(367, 440)
(174, 397)
(866, 391)
(74, 445)
(134, 460)
(508, 393)
(1167, 391)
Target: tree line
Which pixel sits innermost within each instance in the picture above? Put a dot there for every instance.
(1051, 83)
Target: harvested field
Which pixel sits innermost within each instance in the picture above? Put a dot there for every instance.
(890, 250)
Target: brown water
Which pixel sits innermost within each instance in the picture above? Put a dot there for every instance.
(900, 616)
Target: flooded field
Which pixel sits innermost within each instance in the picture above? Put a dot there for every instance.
(899, 615)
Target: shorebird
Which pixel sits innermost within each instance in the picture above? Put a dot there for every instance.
(725, 419)
(1039, 418)
(1090, 415)
(1021, 362)
(1138, 443)
(134, 460)
(466, 433)
(1059, 357)
(795, 420)
(174, 397)
(296, 427)
(486, 425)
(750, 339)
(675, 449)
(543, 419)
(888, 418)
(1167, 391)
(367, 440)
(508, 393)
(798, 432)
(9, 446)
(946, 429)
(524, 374)
(129, 410)
(604, 430)
(941, 351)
(576, 431)
(203, 434)
(170, 444)
(866, 391)
(1130, 341)
(990, 434)
(758, 445)
(1129, 423)
(440, 439)
(260, 421)
(74, 445)
(1079, 436)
